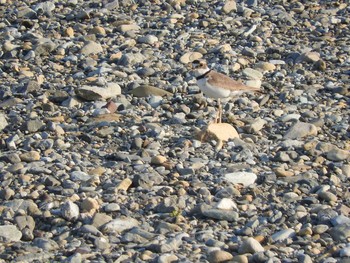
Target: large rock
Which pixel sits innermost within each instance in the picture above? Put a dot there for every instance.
(96, 93)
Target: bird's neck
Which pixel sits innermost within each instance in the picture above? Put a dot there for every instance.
(202, 73)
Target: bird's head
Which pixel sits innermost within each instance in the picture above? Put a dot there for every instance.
(199, 67)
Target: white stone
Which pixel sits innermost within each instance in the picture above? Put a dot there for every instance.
(282, 235)
(94, 92)
(227, 204)
(70, 211)
(120, 224)
(252, 73)
(244, 178)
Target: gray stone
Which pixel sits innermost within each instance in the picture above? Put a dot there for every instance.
(340, 233)
(250, 245)
(148, 39)
(80, 176)
(119, 225)
(340, 220)
(3, 122)
(45, 244)
(252, 73)
(301, 130)
(91, 47)
(96, 93)
(70, 211)
(337, 155)
(34, 125)
(10, 233)
(220, 214)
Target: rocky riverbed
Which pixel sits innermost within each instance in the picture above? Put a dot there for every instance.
(100, 159)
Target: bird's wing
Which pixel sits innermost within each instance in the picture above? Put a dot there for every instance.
(219, 79)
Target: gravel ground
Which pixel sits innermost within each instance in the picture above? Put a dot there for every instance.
(100, 159)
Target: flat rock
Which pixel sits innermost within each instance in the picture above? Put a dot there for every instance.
(128, 27)
(119, 225)
(147, 90)
(243, 178)
(228, 215)
(301, 130)
(96, 93)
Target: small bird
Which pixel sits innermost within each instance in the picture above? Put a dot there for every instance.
(217, 85)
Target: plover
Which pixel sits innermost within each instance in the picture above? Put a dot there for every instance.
(217, 85)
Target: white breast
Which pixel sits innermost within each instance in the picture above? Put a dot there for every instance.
(212, 91)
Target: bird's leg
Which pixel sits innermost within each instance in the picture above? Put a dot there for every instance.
(220, 111)
(217, 116)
